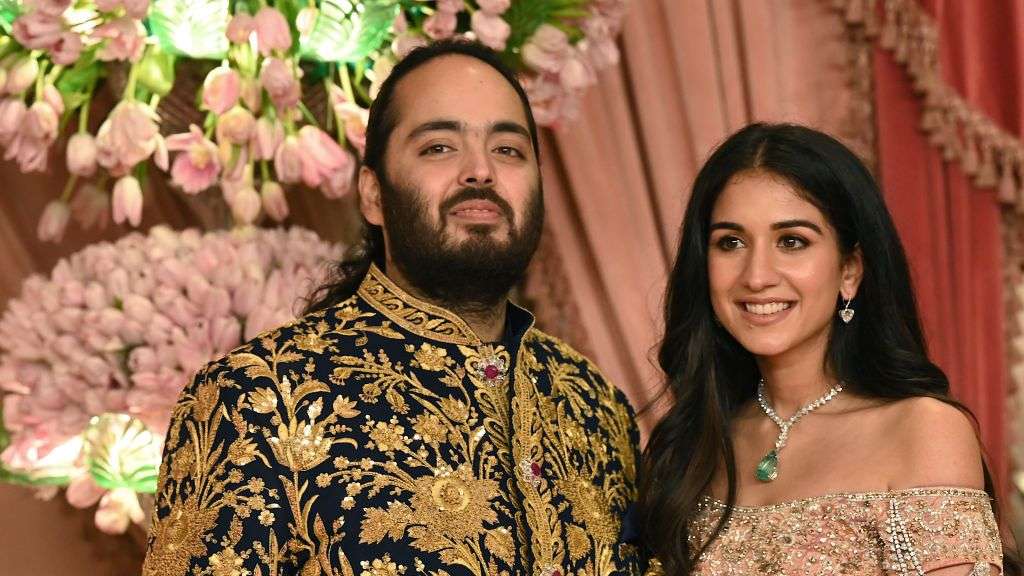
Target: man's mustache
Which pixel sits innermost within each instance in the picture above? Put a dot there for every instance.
(487, 194)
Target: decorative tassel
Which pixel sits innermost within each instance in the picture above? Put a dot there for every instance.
(986, 177)
(969, 159)
(890, 28)
(855, 11)
(871, 26)
(1007, 180)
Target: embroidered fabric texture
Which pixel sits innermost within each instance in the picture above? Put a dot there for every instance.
(907, 532)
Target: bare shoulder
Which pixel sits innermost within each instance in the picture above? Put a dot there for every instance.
(933, 444)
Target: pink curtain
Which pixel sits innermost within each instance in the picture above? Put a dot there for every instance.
(949, 213)
(616, 180)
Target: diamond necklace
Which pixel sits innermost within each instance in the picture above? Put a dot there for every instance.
(768, 467)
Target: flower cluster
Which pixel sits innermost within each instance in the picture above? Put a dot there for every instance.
(118, 329)
(258, 139)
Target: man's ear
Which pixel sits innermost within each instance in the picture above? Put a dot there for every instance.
(369, 197)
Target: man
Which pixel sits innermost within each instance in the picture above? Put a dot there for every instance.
(414, 421)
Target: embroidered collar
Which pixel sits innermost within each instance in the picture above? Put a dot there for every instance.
(427, 320)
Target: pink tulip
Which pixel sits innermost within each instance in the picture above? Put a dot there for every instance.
(245, 205)
(406, 42)
(53, 222)
(67, 49)
(12, 113)
(221, 90)
(440, 25)
(576, 73)
(274, 201)
(37, 30)
(452, 6)
(240, 28)
(339, 183)
(198, 166)
(83, 492)
(118, 508)
(490, 29)
(252, 93)
(321, 155)
(21, 76)
(288, 160)
(41, 122)
(280, 82)
(236, 126)
(272, 32)
(50, 7)
(127, 203)
(267, 137)
(125, 40)
(81, 154)
(128, 136)
(546, 49)
(90, 207)
(137, 9)
(494, 6)
(53, 97)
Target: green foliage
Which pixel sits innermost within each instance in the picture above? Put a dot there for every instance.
(193, 28)
(347, 31)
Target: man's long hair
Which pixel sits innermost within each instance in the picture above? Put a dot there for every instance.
(347, 275)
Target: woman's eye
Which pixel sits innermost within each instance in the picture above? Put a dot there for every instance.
(792, 242)
(729, 243)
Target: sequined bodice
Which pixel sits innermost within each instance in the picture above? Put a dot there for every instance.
(900, 532)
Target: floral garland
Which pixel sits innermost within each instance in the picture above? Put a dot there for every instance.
(255, 134)
(93, 358)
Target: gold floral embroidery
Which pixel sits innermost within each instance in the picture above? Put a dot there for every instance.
(852, 534)
(368, 428)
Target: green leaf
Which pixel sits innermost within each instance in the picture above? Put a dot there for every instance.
(193, 28)
(347, 31)
(9, 11)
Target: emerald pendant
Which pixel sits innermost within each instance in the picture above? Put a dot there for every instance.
(768, 467)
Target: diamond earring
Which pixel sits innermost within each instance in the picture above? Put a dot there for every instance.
(847, 313)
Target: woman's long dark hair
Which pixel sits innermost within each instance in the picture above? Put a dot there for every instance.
(709, 375)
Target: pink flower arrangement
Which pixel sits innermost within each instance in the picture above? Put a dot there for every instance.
(258, 140)
(120, 328)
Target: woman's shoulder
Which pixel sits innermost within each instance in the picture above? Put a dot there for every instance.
(928, 442)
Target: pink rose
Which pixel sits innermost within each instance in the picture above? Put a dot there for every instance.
(272, 32)
(240, 28)
(197, 166)
(81, 154)
(221, 89)
(53, 222)
(490, 29)
(125, 40)
(127, 202)
(280, 83)
(274, 201)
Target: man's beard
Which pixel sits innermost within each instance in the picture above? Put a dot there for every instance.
(469, 276)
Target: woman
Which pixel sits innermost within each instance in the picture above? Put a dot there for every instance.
(809, 431)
